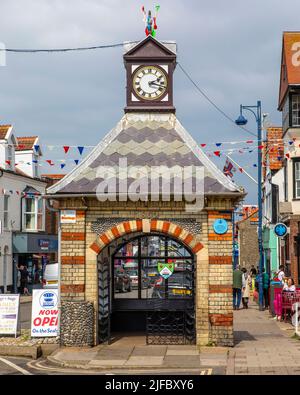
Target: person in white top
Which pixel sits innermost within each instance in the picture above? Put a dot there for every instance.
(289, 286)
(280, 274)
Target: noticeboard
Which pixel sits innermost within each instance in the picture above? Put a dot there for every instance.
(9, 314)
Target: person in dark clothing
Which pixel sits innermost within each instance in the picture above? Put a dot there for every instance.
(237, 288)
(253, 271)
(24, 280)
(266, 285)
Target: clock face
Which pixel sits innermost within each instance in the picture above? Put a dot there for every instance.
(149, 82)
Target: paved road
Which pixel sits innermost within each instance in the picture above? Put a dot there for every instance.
(25, 366)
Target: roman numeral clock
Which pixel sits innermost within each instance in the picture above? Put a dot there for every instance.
(149, 67)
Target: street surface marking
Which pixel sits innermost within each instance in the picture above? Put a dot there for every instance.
(203, 372)
(12, 365)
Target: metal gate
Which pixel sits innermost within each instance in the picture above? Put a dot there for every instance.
(104, 300)
(172, 322)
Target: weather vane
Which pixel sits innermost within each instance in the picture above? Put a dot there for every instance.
(150, 22)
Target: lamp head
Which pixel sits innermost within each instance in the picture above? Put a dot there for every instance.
(241, 121)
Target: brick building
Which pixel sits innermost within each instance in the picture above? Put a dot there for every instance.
(247, 237)
(116, 249)
(289, 105)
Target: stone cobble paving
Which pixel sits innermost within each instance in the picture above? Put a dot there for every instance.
(262, 345)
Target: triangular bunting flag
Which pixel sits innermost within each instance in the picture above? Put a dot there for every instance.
(76, 161)
(217, 153)
(8, 162)
(62, 165)
(80, 149)
(66, 148)
(218, 144)
(50, 162)
(203, 145)
(36, 147)
(241, 169)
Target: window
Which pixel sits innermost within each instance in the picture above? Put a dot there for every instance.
(5, 211)
(295, 110)
(138, 263)
(33, 213)
(9, 155)
(285, 175)
(297, 179)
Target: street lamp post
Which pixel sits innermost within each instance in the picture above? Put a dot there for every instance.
(241, 121)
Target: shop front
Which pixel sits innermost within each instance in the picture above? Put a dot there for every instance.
(33, 250)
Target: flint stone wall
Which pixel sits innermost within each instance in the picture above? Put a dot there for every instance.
(77, 324)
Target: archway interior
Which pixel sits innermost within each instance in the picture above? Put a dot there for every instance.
(149, 272)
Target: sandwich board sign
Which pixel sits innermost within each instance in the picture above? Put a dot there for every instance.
(9, 314)
(45, 313)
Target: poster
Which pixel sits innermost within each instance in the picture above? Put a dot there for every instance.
(45, 313)
(68, 217)
(9, 311)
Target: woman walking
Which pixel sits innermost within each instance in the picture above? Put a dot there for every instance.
(246, 288)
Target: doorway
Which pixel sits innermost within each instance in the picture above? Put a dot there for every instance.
(147, 285)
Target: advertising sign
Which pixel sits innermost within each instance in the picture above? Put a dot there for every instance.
(220, 226)
(68, 217)
(165, 269)
(44, 316)
(44, 244)
(9, 311)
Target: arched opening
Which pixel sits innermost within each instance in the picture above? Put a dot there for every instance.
(147, 286)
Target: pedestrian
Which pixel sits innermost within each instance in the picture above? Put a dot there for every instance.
(237, 287)
(266, 286)
(281, 274)
(23, 280)
(253, 271)
(289, 285)
(246, 280)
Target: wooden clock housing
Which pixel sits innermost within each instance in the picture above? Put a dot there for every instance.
(150, 52)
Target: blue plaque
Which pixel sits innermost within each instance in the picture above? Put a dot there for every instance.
(280, 230)
(220, 226)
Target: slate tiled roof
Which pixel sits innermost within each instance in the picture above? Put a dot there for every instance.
(3, 131)
(148, 140)
(25, 143)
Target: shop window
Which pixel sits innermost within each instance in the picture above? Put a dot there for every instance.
(33, 214)
(5, 211)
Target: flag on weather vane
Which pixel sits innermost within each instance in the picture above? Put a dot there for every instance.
(150, 21)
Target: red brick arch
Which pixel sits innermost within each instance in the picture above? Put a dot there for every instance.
(139, 225)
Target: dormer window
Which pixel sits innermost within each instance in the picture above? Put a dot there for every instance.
(296, 110)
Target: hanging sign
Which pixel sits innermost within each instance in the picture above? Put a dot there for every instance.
(9, 311)
(165, 269)
(280, 229)
(220, 226)
(68, 217)
(44, 316)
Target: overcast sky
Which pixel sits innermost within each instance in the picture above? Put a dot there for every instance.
(232, 50)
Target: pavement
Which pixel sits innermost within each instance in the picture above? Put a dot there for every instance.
(262, 346)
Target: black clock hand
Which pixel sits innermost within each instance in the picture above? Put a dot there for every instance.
(153, 83)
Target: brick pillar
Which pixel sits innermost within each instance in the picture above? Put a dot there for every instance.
(220, 281)
(73, 259)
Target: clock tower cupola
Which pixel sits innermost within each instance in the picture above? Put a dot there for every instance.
(150, 65)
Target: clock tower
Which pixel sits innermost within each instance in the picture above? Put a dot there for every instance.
(150, 65)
